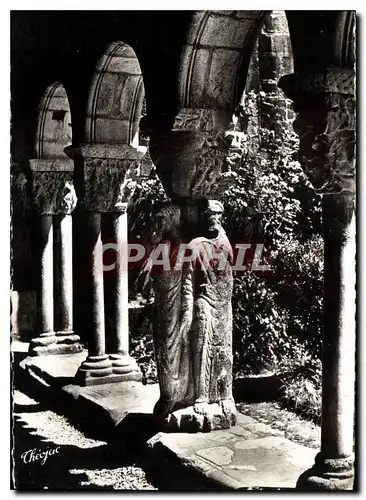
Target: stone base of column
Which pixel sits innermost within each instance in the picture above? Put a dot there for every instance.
(107, 369)
(125, 367)
(64, 342)
(94, 370)
(328, 475)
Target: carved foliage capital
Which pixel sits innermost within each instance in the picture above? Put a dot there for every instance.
(52, 186)
(109, 173)
(193, 163)
(108, 184)
(327, 144)
(201, 119)
(337, 80)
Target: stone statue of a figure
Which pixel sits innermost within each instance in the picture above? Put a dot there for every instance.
(193, 324)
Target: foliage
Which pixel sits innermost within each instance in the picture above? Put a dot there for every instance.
(277, 315)
(297, 281)
(279, 312)
(302, 383)
(141, 341)
(147, 193)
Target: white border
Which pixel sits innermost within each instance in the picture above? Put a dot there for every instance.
(4, 175)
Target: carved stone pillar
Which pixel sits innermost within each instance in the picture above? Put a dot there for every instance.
(325, 122)
(107, 189)
(192, 317)
(54, 198)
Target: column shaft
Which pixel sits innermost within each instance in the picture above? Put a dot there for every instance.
(64, 298)
(97, 340)
(54, 198)
(124, 366)
(338, 393)
(121, 341)
(45, 296)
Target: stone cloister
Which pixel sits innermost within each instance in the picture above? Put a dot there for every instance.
(86, 88)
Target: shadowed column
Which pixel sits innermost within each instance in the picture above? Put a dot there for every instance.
(107, 189)
(325, 123)
(97, 363)
(122, 362)
(45, 296)
(54, 197)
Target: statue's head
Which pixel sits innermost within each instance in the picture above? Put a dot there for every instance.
(212, 217)
(165, 222)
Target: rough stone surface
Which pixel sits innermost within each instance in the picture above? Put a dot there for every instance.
(53, 192)
(55, 344)
(327, 142)
(225, 32)
(241, 457)
(221, 82)
(106, 184)
(23, 312)
(116, 97)
(196, 164)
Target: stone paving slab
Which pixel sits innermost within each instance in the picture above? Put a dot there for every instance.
(110, 402)
(250, 455)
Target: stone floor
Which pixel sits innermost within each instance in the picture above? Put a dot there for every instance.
(250, 455)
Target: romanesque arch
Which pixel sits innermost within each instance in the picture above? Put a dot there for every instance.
(215, 58)
(54, 130)
(115, 98)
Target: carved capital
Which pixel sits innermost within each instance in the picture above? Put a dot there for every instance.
(325, 123)
(192, 164)
(327, 142)
(19, 196)
(52, 186)
(335, 80)
(200, 119)
(109, 171)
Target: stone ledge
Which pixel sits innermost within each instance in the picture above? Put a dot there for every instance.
(248, 456)
(101, 408)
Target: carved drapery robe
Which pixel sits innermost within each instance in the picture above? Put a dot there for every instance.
(192, 327)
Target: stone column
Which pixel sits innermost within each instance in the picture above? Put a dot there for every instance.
(97, 367)
(62, 226)
(45, 297)
(325, 122)
(192, 310)
(107, 190)
(123, 364)
(53, 194)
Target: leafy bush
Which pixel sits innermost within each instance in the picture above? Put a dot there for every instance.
(276, 312)
(298, 284)
(277, 315)
(147, 193)
(302, 383)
